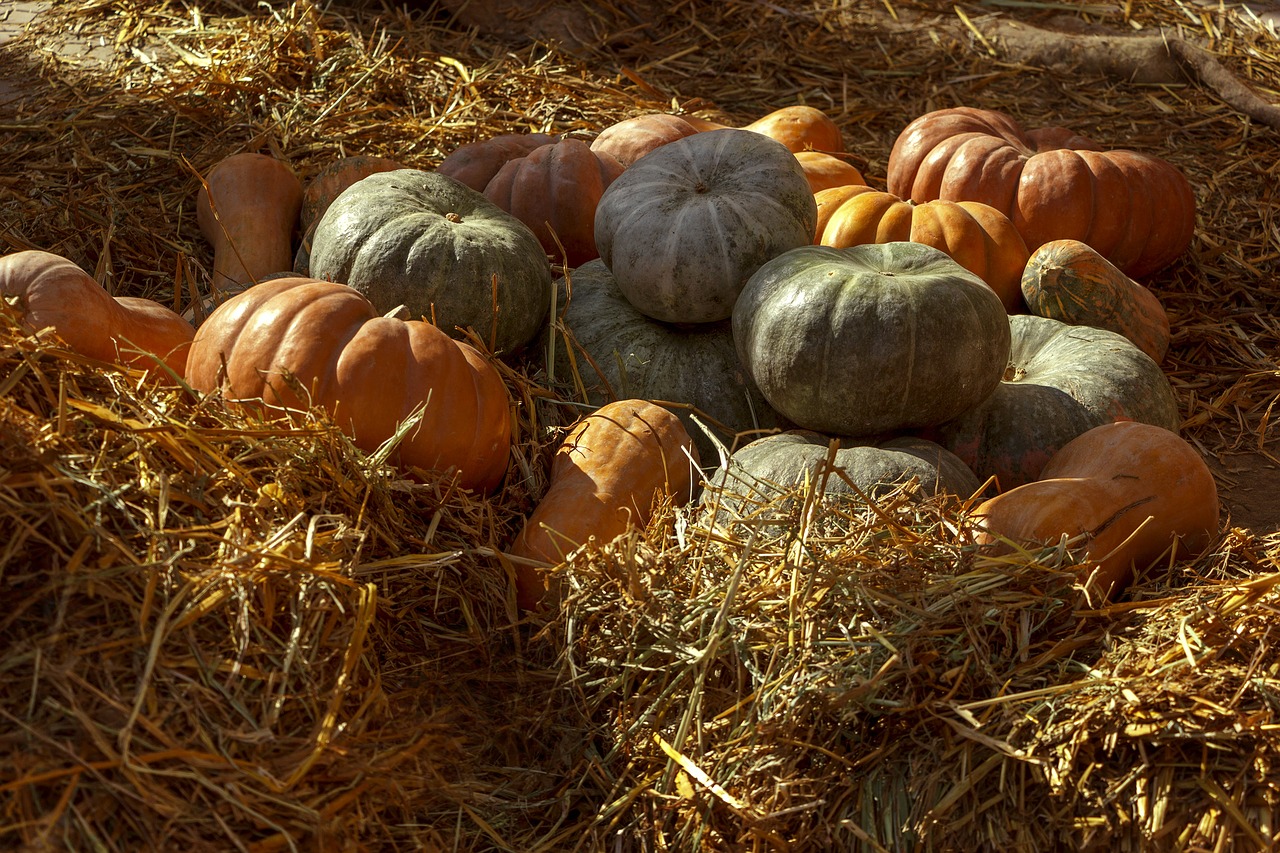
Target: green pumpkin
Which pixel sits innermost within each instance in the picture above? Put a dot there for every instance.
(872, 339)
(758, 473)
(442, 250)
(685, 226)
(1062, 381)
(620, 353)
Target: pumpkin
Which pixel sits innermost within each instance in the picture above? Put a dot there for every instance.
(49, 291)
(975, 235)
(825, 170)
(618, 353)
(293, 343)
(800, 128)
(759, 472)
(1061, 381)
(555, 190)
(247, 208)
(870, 339)
(444, 251)
(1138, 495)
(1067, 280)
(612, 468)
(327, 185)
(629, 140)
(475, 163)
(1136, 210)
(684, 228)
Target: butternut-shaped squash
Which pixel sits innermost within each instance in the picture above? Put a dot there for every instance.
(606, 477)
(1137, 494)
(248, 210)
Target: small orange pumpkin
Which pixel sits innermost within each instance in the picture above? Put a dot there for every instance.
(605, 478)
(630, 139)
(291, 343)
(475, 163)
(49, 291)
(975, 235)
(800, 128)
(328, 183)
(825, 170)
(1134, 491)
(1068, 280)
(247, 208)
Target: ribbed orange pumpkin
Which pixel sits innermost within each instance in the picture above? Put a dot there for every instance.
(606, 477)
(475, 163)
(291, 343)
(330, 181)
(248, 209)
(825, 170)
(800, 128)
(1066, 280)
(49, 291)
(555, 190)
(1136, 210)
(630, 139)
(1134, 491)
(975, 235)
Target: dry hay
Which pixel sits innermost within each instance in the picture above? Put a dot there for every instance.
(224, 633)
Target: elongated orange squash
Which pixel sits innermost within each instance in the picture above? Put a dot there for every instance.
(605, 478)
(1069, 281)
(248, 209)
(1134, 491)
(50, 291)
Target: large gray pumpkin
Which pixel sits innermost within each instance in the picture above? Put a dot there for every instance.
(1061, 381)
(427, 242)
(686, 225)
(870, 339)
(761, 471)
(639, 357)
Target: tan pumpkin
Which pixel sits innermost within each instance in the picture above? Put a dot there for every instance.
(555, 190)
(1067, 280)
(1137, 494)
(247, 208)
(289, 344)
(607, 475)
(49, 291)
(975, 235)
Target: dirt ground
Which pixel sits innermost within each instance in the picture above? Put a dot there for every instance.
(1248, 478)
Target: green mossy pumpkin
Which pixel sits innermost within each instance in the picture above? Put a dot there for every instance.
(870, 339)
(684, 227)
(442, 250)
(618, 353)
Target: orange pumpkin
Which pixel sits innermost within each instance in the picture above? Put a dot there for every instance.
(630, 139)
(1067, 280)
(976, 236)
(554, 190)
(825, 170)
(608, 473)
(475, 163)
(800, 128)
(288, 344)
(330, 181)
(247, 208)
(1136, 210)
(49, 291)
(1136, 493)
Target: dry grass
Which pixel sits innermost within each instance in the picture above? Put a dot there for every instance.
(222, 633)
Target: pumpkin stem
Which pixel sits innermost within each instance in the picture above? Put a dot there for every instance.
(453, 217)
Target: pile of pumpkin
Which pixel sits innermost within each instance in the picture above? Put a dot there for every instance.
(976, 328)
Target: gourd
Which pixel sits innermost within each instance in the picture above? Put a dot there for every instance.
(800, 128)
(761, 471)
(1138, 494)
(616, 352)
(442, 250)
(1061, 381)
(870, 339)
(630, 139)
(555, 190)
(1067, 280)
(825, 170)
(247, 207)
(977, 236)
(1136, 210)
(609, 472)
(289, 344)
(324, 187)
(49, 291)
(685, 227)
(475, 163)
